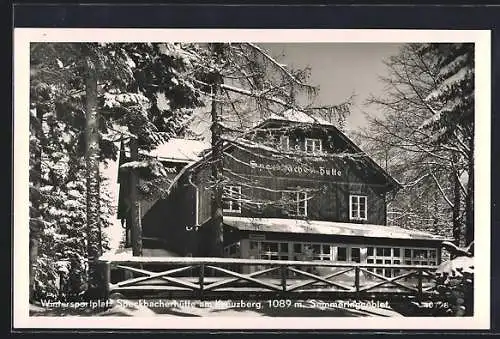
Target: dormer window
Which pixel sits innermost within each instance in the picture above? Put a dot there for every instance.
(313, 146)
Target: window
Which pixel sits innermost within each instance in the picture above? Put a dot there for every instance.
(386, 256)
(284, 247)
(287, 250)
(292, 250)
(398, 256)
(357, 207)
(297, 248)
(301, 203)
(271, 246)
(396, 271)
(420, 254)
(342, 254)
(231, 199)
(355, 255)
(313, 145)
(232, 250)
(296, 203)
(379, 271)
(284, 143)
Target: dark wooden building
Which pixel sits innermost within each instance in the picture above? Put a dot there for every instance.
(294, 189)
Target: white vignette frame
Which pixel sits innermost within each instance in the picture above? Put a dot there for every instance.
(20, 270)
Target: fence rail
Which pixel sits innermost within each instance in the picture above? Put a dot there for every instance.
(205, 278)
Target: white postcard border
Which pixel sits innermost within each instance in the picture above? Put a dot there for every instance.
(22, 38)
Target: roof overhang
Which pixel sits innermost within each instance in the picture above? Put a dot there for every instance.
(327, 228)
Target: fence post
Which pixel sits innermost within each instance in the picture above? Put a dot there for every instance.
(420, 283)
(201, 280)
(104, 269)
(283, 277)
(356, 280)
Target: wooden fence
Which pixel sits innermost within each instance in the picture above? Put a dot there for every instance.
(208, 278)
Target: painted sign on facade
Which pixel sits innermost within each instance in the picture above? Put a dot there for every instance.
(296, 169)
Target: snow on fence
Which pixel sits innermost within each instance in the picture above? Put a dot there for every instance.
(206, 278)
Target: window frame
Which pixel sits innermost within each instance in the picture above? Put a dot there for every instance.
(233, 250)
(231, 199)
(345, 255)
(314, 142)
(259, 249)
(358, 217)
(297, 250)
(296, 203)
(401, 259)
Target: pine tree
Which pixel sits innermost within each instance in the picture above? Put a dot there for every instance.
(453, 123)
(116, 92)
(58, 239)
(94, 246)
(160, 75)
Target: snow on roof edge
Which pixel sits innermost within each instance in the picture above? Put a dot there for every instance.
(342, 134)
(327, 228)
(179, 149)
(294, 115)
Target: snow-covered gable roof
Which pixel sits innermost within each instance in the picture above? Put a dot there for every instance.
(294, 115)
(327, 228)
(290, 115)
(182, 150)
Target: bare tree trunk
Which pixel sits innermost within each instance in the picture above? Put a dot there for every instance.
(469, 199)
(34, 239)
(33, 256)
(216, 248)
(92, 171)
(457, 229)
(216, 232)
(135, 217)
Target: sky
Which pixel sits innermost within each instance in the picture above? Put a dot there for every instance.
(340, 70)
